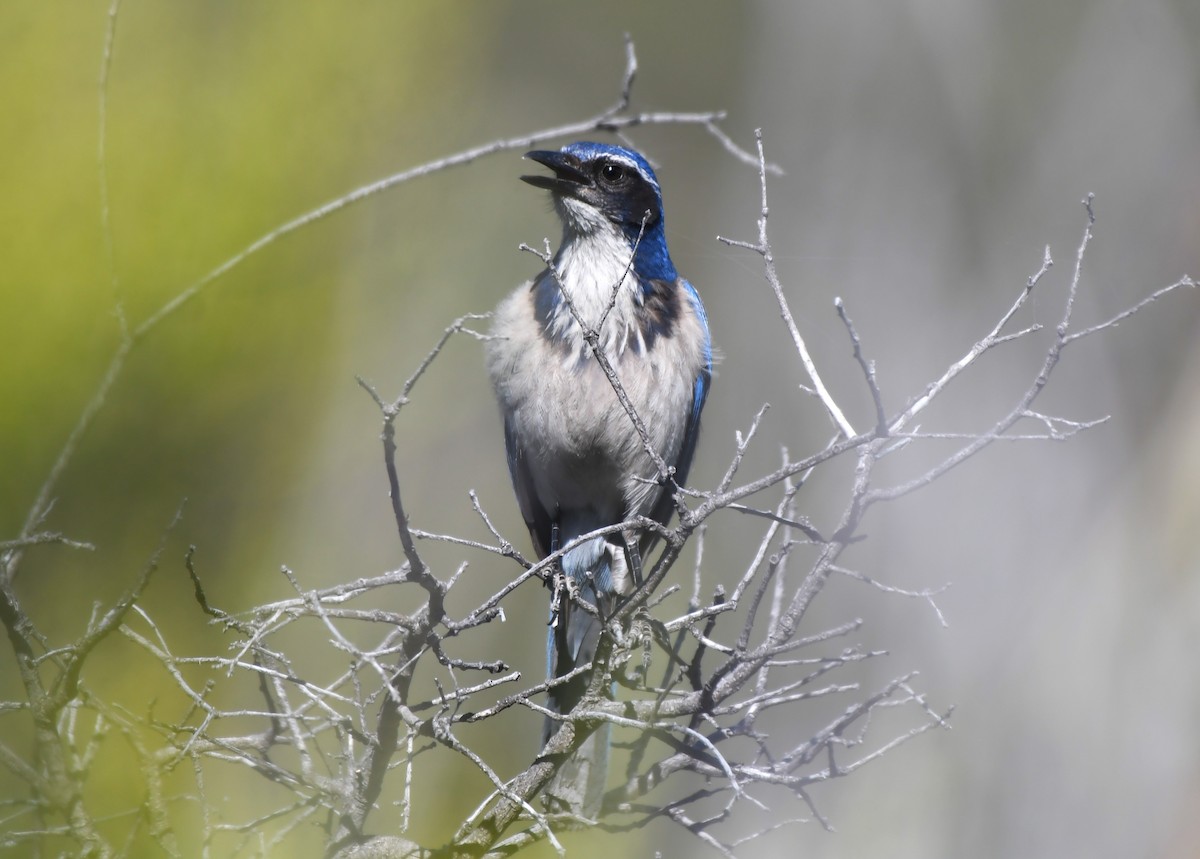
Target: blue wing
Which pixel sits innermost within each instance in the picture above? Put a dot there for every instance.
(691, 433)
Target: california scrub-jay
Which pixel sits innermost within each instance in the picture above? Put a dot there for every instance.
(577, 461)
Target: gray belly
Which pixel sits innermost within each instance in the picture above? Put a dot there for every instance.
(588, 452)
(584, 451)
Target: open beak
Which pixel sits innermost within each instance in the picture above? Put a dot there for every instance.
(568, 178)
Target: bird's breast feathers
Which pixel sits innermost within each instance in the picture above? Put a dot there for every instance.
(562, 408)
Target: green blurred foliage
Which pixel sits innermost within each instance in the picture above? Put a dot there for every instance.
(224, 120)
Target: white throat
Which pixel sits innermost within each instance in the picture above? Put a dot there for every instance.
(595, 270)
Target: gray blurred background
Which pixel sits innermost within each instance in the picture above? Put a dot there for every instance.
(930, 149)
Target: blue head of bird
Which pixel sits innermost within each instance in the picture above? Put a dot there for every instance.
(605, 193)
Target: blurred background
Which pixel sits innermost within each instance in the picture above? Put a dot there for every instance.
(930, 152)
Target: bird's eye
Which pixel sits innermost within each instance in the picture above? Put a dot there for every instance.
(612, 173)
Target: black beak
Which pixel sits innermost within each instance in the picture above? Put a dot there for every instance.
(568, 176)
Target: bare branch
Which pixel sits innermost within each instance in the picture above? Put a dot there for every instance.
(763, 248)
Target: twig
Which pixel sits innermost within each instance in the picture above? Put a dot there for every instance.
(763, 248)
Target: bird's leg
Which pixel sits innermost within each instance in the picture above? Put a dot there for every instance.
(633, 557)
(556, 581)
(565, 591)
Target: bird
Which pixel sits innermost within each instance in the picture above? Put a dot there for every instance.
(577, 460)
